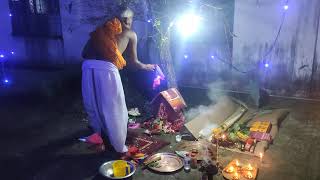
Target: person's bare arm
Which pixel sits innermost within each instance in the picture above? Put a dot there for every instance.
(133, 41)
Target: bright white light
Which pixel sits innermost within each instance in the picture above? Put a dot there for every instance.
(10, 14)
(266, 65)
(186, 56)
(6, 80)
(1, 56)
(188, 24)
(285, 7)
(149, 21)
(212, 57)
(12, 52)
(171, 24)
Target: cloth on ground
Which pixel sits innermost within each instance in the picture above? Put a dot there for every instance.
(145, 144)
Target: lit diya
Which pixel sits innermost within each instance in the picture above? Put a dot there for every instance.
(238, 170)
(249, 167)
(223, 137)
(237, 163)
(261, 156)
(236, 176)
(248, 175)
(230, 169)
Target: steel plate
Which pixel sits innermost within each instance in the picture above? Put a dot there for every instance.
(169, 162)
(106, 170)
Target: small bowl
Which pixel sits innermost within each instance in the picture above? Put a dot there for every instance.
(106, 170)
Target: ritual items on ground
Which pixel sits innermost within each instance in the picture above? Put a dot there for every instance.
(146, 144)
(223, 141)
(261, 126)
(240, 170)
(237, 127)
(134, 125)
(214, 116)
(259, 136)
(134, 112)
(201, 149)
(155, 126)
(208, 169)
(230, 120)
(255, 135)
(164, 162)
(167, 109)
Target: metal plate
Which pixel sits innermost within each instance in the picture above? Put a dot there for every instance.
(168, 163)
(106, 170)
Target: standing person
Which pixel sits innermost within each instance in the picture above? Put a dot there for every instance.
(102, 89)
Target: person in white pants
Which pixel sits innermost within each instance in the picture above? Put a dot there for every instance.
(102, 89)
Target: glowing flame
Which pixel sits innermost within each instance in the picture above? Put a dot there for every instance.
(261, 156)
(230, 169)
(237, 163)
(249, 167)
(223, 136)
(236, 176)
(249, 175)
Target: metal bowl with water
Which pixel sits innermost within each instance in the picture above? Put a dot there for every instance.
(106, 170)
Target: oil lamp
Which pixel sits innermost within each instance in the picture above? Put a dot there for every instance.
(230, 169)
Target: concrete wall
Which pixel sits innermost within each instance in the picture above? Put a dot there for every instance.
(75, 32)
(80, 17)
(8, 42)
(28, 51)
(256, 24)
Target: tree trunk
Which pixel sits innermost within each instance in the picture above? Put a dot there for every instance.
(166, 62)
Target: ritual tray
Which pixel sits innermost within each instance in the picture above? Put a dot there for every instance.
(242, 171)
(167, 162)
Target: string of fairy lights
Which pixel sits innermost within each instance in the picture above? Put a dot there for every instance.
(5, 55)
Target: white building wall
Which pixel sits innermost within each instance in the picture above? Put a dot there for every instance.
(256, 24)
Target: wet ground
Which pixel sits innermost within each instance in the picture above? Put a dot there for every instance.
(42, 118)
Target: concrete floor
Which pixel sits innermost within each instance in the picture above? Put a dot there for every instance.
(39, 138)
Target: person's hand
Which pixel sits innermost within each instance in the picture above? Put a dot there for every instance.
(149, 67)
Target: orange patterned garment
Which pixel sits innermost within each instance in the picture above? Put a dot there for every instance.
(105, 43)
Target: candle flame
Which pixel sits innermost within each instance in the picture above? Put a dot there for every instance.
(230, 169)
(261, 155)
(249, 175)
(236, 175)
(237, 163)
(223, 136)
(250, 167)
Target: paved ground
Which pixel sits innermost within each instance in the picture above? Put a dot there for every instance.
(41, 121)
